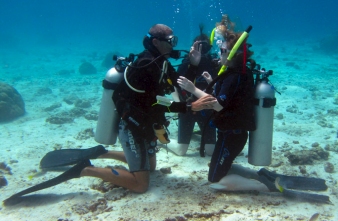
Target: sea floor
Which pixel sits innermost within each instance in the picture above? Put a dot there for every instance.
(305, 123)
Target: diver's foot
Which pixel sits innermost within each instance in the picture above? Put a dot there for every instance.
(209, 149)
(178, 148)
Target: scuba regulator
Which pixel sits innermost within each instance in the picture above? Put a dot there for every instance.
(122, 62)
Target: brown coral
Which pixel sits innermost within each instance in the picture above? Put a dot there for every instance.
(11, 103)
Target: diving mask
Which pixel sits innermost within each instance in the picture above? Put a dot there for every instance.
(171, 39)
(223, 50)
(205, 46)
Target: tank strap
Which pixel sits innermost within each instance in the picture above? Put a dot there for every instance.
(108, 85)
(266, 102)
(237, 131)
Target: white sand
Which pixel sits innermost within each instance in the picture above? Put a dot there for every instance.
(183, 193)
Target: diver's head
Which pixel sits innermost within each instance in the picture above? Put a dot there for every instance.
(225, 24)
(226, 28)
(243, 53)
(204, 40)
(160, 39)
(221, 29)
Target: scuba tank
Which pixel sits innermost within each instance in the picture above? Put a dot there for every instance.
(108, 120)
(260, 140)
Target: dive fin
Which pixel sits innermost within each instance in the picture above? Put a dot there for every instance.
(217, 186)
(73, 172)
(308, 197)
(293, 182)
(64, 157)
(268, 183)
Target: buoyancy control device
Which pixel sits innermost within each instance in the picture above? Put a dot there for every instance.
(108, 120)
(260, 140)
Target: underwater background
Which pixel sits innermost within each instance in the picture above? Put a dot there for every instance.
(43, 44)
(112, 25)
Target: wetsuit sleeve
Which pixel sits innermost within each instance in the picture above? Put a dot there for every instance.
(175, 107)
(180, 107)
(227, 90)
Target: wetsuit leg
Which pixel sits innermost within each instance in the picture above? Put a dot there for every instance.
(229, 144)
(137, 150)
(186, 123)
(203, 123)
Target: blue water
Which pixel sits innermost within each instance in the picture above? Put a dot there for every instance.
(38, 38)
(103, 23)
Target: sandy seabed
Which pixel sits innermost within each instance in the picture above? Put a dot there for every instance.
(307, 112)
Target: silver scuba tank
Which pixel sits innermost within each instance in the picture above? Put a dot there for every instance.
(260, 140)
(108, 120)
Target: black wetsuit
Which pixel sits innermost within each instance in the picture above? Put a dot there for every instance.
(235, 92)
(140, 111)
(187, 120)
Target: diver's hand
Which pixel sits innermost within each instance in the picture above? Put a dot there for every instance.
(186, 84)
(195, 53)
(206, 102)
(207, 76)
(190, 87)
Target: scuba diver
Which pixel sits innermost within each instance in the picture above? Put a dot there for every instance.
(143, 123)
(233, 117)
(186, 121)
(149, 78)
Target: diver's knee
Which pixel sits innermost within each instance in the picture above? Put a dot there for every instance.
(142, 180)
(141, 188)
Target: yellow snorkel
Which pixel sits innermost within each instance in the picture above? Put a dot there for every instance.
(212, 36)
(235, 48)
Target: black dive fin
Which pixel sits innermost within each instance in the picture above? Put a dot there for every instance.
(308, 197)
(73, 172)
(64, 157)
(303, 196)
(294, 182)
